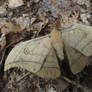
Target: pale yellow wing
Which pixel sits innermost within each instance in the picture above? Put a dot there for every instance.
(50, 68)
(57, 43)
(29, 55)
(77, 61)
(80, 38)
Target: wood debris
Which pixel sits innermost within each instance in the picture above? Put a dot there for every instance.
(15, 3)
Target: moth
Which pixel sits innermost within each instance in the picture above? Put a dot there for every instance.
(40, 55)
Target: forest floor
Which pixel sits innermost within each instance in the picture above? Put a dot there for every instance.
(36, 18)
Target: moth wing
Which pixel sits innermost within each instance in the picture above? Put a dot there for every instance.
(50, 68)
(57, 43)
(29, 55)
(80, 38)
(77, 61)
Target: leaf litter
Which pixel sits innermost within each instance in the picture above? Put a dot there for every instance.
(33, 18)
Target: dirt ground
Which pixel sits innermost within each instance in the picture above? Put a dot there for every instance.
(36, 18)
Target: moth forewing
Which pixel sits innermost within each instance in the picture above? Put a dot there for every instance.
(29, 55)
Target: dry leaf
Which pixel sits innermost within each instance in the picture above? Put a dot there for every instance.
(15, 3)
(38, 26)
(2, 42)
(3, 11)
(23, 21)
(61, 85)
(8, 27)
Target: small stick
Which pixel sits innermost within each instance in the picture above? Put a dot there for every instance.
(22, 77)
(76, 84)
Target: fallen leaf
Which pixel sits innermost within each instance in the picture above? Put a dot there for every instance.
(33, 20)
(13, 38)
(15, 3)
(3, 11)
(23, 21)
(9, 27)
(2, 42)
(38, 26)
(84, 18)
(61, 85)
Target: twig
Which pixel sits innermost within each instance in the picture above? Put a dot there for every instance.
(22, 77)
(76, 84)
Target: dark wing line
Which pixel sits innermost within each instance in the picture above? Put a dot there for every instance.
(51, 67)
(76, 59)
(79, 42)
(18, 54)
(77, 50)
(72, 63)
(33, 62)
(74, 28)
(90, 42)
(25, 62)
(36, 54)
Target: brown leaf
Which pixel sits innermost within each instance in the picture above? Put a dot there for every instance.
(61, 85)
(15, 3)
(9, 27)
(2, 42)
